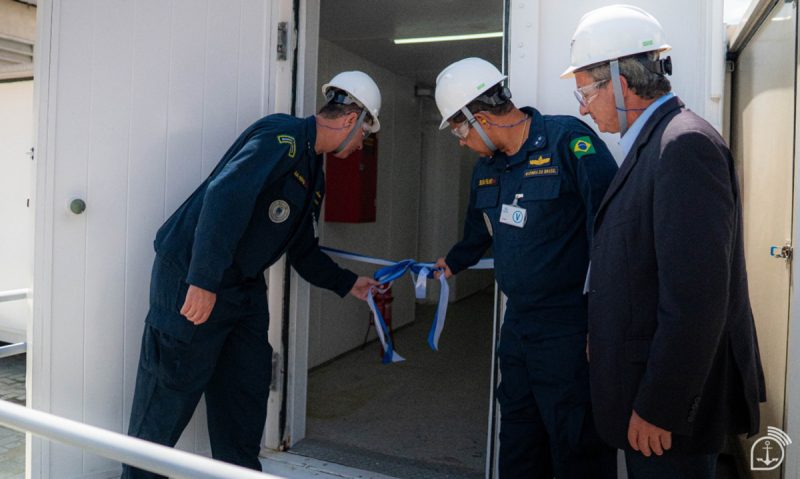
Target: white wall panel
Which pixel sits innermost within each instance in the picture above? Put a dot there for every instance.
(140, 100)
(69, 231)
(106, 193)
(540, 35)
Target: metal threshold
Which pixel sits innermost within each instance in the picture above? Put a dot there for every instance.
(295, 466)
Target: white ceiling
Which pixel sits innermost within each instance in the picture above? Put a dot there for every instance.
(367, 28)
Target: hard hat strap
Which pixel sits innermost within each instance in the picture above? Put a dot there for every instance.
(618, 99)
(356, 129)
(474, 123)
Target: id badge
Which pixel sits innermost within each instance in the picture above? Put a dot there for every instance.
(513, 215)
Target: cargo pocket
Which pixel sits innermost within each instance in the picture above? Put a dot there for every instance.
(545, 213)
(165, 357)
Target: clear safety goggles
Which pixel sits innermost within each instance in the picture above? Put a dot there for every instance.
(461, 130)
(366, 130)
(587, 93)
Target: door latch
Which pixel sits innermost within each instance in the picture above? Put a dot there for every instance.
(782, 252)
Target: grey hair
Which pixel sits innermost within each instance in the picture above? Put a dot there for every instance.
(637, 70)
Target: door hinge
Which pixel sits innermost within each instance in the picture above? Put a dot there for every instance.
(784, 252)
(276, 364)
(283, 40)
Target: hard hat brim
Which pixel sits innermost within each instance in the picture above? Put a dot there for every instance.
(570, 72)
(376, 125)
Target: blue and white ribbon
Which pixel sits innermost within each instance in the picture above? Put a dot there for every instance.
(420, 273)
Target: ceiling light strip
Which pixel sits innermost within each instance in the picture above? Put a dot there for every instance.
(448, 38)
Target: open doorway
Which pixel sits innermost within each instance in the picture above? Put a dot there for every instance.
(430, 415)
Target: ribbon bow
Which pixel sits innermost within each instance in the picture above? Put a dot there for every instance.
(420, 272)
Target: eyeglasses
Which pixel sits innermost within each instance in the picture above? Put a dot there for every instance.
(587, 93)
(461, 130)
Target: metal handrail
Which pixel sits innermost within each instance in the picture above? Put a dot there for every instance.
(13, 295)
(136, 452)
(13, 349)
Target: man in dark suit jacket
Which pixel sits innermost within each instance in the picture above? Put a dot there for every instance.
(674, 359)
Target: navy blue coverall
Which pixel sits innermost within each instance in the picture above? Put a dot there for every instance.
(562, 171)
(261, 200)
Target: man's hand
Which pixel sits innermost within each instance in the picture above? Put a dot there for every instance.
(361, 289)
(198, 305)
(645, 437)
(440, 264)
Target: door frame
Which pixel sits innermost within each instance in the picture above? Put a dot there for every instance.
(299, 297)
(791, 466)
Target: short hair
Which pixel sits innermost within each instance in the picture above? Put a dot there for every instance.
(333, 110)
(477, 106)
(638, 71)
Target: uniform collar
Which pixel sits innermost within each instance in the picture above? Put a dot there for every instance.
(311, 133)
(537, 140)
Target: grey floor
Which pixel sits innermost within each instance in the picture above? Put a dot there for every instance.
(426, 417)
(12, 443)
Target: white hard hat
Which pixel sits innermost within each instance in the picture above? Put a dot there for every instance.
(460, 83)
(361, 88)
(612, 32)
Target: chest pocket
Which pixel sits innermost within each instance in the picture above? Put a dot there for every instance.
(486, 197)
(541, 200)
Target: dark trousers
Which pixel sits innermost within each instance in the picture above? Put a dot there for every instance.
(546, 427)
(228, 359)
(671, 465)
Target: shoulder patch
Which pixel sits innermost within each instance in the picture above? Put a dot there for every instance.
(582, 146)
(288, 140)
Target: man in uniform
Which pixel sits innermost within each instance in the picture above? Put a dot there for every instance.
(533, 196)
(674, 358)
(206, 331)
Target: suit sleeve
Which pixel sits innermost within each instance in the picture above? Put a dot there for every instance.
(476, 240)
(593, 174)
(693, 220)
(315, 266)
(228, 206)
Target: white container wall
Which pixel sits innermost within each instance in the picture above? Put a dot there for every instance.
(540, 35)
(138, 102)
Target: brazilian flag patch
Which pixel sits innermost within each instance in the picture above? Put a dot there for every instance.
(582, 146)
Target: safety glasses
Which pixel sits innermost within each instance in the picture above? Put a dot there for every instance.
(461, 130)
(366, 130)
(587, 93)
